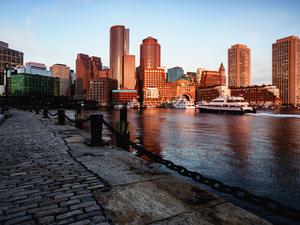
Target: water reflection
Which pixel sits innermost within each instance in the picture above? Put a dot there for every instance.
(258, 152)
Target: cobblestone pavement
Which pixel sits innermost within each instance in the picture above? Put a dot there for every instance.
(40, 183)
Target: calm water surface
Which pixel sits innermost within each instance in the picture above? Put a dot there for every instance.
(258, 152)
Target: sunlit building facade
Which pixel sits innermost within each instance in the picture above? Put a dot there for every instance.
(239, 66)
(95, 66)
(263, 95)
(129, 78)
(119, 47)
(286, 69)
(63, 73)
(211, 78)
(149, 55)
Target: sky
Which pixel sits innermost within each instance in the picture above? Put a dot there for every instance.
(192, 33)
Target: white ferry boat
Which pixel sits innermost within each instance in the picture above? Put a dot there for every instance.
(133, 104)
(182, 103)
(233, 105)
(190, 105)
(179, 103)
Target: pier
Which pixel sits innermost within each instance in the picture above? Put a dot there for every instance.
(49, 176)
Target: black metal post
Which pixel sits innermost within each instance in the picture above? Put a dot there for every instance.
(30, 108)
(96, 130)
(37, 110)
(123, 114)
(79, 117)
(45, 113)
(6, 84)
(123, 129)
(61, 117)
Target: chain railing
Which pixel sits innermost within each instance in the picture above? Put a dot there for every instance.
(267, 203)
(240, 193)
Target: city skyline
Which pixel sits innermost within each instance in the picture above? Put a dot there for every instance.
(195, 34)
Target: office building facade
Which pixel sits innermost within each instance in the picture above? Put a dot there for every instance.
(10, 58)
(63, 73)
(239, 66)
(129, 76)
(149, 55)
(119, 47)
(286, 69)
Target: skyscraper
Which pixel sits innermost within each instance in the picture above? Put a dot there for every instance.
(286, 69)
(129, 81)
(87, 68)
(119, 46)
(95, 66)
(239, 66)
(82, 73)
(149, 55)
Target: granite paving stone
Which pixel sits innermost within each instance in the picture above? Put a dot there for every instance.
(40, 183)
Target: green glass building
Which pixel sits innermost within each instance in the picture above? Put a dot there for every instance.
(24, 84)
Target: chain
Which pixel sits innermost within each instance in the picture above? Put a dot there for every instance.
(54, 114)
(240, 193)
(69, 119)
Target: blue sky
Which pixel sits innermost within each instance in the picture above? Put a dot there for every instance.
(192, 33)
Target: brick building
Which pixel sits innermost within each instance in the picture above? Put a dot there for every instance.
(210, 93)
(167, 91)
(210, 78)
(266, 95)
(120, 97)
(100, 89)
(87, 68)
(8, 57)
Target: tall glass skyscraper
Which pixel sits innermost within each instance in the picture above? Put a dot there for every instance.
(119, 47)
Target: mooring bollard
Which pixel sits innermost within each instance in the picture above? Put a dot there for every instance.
(30, 108)
(79, 117)
(45, 113)
(61, 117)
(37, 110)
(96, 130)
(123, 128)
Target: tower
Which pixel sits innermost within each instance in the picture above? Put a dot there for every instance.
(239, 66)
(119, 47)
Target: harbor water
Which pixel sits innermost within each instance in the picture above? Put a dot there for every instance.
(259, 152)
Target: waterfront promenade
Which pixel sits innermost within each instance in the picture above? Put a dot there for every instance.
(48, 176)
